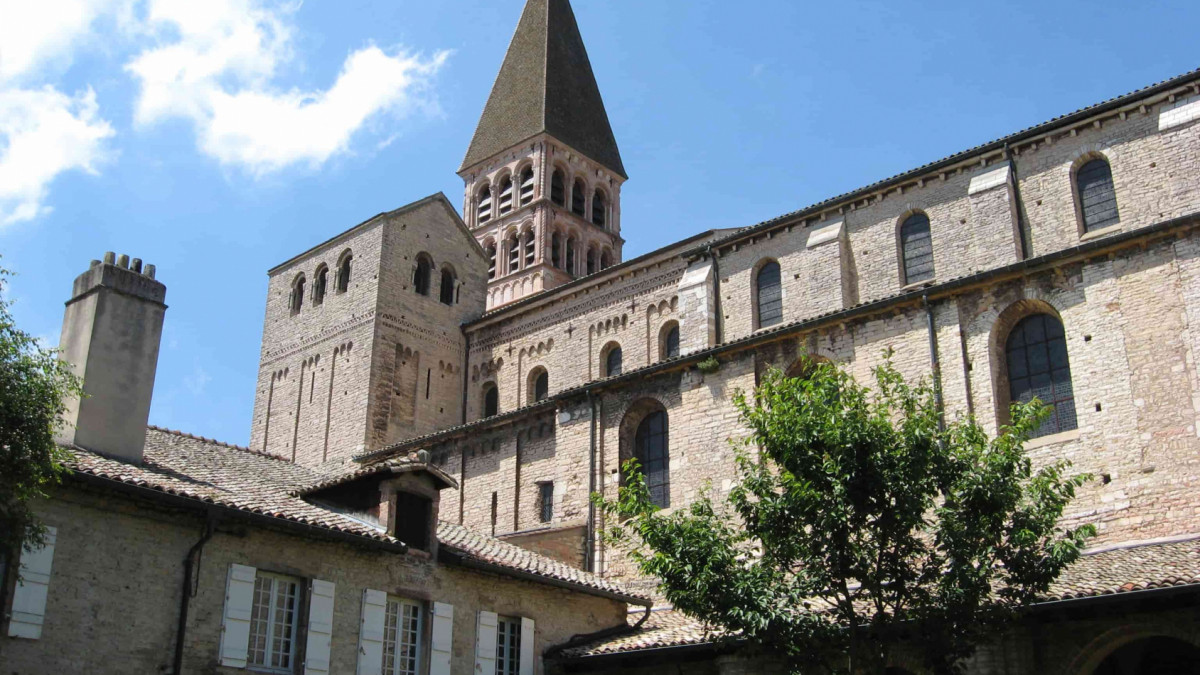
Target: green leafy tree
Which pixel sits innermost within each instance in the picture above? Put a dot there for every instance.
(860, 522)
(34, 386)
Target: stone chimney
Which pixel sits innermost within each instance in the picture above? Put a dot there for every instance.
(111, 333)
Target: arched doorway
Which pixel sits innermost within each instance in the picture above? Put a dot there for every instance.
(1152, 656)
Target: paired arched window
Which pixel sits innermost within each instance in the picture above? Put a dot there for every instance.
(422, 275)
(506, 195)
(1097, 198)
(1036, 357)
(491, 253)
(491, 400)
(448, 287)
(556, 250)
(612, 361)
(769, 295)
(577, 199)
(599, 209)
(526, 194)
(530, 248)
(514, 253)
(485, 204)
(296, 302)
(669, 341)
(558, 188)
(320, 283)
(605, 260)
(539, 385)
(651, 450)
(916, 249)
(343, 275)
(591, 261)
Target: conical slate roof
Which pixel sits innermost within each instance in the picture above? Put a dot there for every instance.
(546, 85)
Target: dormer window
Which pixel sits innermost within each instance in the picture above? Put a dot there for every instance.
(414, 514)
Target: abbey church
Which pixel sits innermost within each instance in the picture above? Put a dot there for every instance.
(442, 387)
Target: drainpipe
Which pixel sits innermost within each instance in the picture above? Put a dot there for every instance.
(933, 359)
(717, 293)
(466, 373)
(1021, 236)
(190, 564)
(590, 540)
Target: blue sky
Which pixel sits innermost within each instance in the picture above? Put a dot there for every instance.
(218, 139)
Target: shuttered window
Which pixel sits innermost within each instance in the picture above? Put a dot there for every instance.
(273, 622)
(1097, 198)
(508, 646)
(599, 209)
(506, 195)
(1038, 367)
(526, 186)
(577, 199)
(485, 205)
(650, 449)
(558, 189)
(770, 295)
(491, 252)
(556, 250)
(402, 637)
(916, 247)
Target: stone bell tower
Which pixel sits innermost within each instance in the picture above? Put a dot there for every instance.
(543, 173)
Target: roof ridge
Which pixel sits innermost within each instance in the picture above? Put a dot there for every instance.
(213, 441)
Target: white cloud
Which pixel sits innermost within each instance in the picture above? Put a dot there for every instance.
(35, 35)
(216, 63)
(43, 133)
(198, 381)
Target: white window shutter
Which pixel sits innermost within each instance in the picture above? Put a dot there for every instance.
(370, 634)
(485, 644)
(320, 628)
(526, 647)
(29, 600)
(443, 639)
(239, 604)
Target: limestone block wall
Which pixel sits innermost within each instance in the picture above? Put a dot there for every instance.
(109, 612)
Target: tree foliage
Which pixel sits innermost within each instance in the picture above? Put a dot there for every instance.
(34, 386)
(860, 522)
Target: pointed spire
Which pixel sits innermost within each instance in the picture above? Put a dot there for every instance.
(546, 85)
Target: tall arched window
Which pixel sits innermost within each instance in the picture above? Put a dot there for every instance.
(320, 283)
(527, 184)
(530, 248)
(556, 250)
(577, 199)
(514, 253)
(669, 341)
(343, 276)
(506, 195)
(571, 244)
(448, 286)
(1036, 357)
(612, 361)
(916, 249)
(558, 188)
(539, 386)
(769, 295)
(1097, 198)
(491, 400)
(491, 253)
(591, 261)
(485, 204)
(599, 209)
(650, 447)
(422, 275)
(296, 301)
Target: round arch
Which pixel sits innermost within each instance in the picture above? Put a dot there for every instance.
(1124, 650)
(757, 294)
(1005, 322)
(668, 340)
(537, 385)
(612, 359)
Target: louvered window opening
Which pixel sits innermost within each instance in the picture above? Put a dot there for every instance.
(447, 289)
(319, 285)
(571, 256)
(491, 251)
(605, 260)
(613, 362)
(770, 295)
(526, 186)
(591, 261)
(506, 196)
(556, 250)
(651, 451)
(402, 637)
(671, 350)
(558, 189)
(577, 205)
(421, 276)
(491, 401)
(508, 646)
(599, 209)
(530, 249)
(916, 243)
(1038, 367)
(514, 254)
(541, 387)
(485, 205)
(343, 278)
(273, 623)
(1097, 197)
(546, 501)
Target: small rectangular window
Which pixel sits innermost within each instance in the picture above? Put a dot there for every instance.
(508, 646)
(414, 515)
(273, 622)
(546, 501)
(402, 637)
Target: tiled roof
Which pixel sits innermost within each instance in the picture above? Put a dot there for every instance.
(398, 464)
(1103, 573)
(229, 476)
